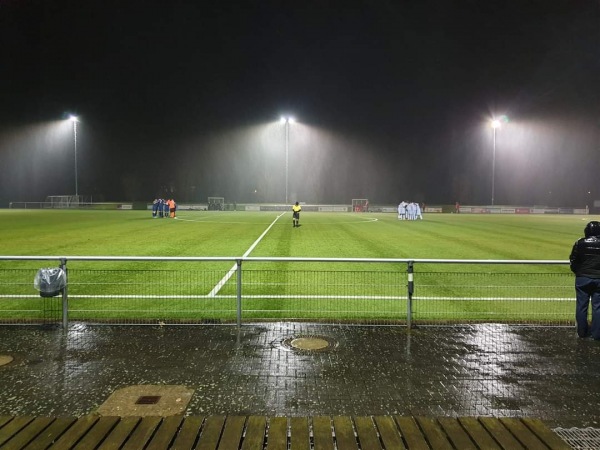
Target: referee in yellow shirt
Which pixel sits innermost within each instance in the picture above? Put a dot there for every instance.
(296, 215)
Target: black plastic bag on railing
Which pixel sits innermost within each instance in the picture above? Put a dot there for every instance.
(50, 282)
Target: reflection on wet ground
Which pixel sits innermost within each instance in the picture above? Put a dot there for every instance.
(475, 370)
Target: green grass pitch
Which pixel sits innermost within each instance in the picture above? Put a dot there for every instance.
(344, 291)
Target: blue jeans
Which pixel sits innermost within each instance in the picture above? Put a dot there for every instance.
(587, 289)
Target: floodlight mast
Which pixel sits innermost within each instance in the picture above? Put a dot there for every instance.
(286, 121)
(75, 119)
(495, 123)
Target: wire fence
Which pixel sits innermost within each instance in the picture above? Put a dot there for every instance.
(151, 290)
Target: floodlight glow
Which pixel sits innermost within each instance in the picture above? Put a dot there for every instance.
(495, 123)
(291, 120)
(73, 118)
(283, 119)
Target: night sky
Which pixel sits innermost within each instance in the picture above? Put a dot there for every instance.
(392, 99)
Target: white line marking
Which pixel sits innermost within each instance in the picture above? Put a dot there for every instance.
(226, 278)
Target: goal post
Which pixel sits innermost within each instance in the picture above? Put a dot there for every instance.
(216, 203)
(360, 204)
(62, 201)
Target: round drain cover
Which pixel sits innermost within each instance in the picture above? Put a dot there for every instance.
(309, 343)
(5, 359)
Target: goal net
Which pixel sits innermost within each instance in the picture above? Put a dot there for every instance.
(360, 204)
(216, 203)
(62, 201)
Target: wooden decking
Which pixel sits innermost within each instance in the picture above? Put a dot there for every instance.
(275, 433)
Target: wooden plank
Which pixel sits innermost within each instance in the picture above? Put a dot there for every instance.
(367, 433)
(142, 433)
(211, 433)
(523, 434)
(299, 433)
(322, 433)
(97, 433)
(500, 433)
(129, 433)
(548, 437)
(479, 434)
(51, 434)
(188, 433)
(75, 432)
(13, 427)
(344, 433)
(256, 426)
(278, 434)
(28, 434)
(120, 433)
(165, 434)
(388, 430)
(4, 420)
(433, 433)
(411, 433)
(232, 433)
(456, 433)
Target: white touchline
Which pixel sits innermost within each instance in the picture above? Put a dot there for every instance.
(226, 278)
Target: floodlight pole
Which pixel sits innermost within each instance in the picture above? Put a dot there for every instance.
(287, 148)
(493, 165)
(74, 119)
(286, 121)
(495, 124)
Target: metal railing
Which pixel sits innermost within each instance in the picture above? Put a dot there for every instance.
(207, 290)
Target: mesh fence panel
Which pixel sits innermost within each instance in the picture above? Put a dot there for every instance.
(201, 292)
(327, 296)
(20, 303)
(546, 298)
(141, 296)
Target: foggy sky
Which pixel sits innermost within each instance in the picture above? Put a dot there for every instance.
(393, 100)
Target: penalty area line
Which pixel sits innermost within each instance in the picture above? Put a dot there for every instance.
(229, 274)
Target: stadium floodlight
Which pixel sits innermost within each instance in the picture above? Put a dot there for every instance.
(495, 124)
(286, 121)
(75, 119)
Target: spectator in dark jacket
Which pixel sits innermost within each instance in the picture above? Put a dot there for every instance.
(585, 264)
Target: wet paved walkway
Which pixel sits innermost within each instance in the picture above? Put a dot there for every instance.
(476, 370)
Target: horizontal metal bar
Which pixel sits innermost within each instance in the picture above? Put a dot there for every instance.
(283, 259)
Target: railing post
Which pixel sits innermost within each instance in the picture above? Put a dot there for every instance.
(411, 290)
(239, 292)
(65, 296)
